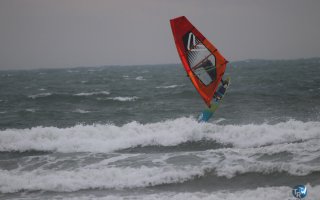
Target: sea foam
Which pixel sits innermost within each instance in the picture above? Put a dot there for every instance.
(40, 95)
(261, 193)
(95, 177)
(123, 98)
(92, 93)
(293, 138)
(108, 137)
(168, 86)
(89, 178)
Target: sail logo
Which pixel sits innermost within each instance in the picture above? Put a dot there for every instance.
(194, 44)
(299, 191)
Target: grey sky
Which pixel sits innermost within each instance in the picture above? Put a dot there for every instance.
(68, 33)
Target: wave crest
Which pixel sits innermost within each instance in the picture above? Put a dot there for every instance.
(108, 138)
(35, 96)
(92, 93)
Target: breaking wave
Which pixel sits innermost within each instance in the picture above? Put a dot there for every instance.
(99, 177)
(168, 86)
(81, 111)
(92, 93)
(35, 96)
(140, 78)
(123, 98)
(107, 175)
(262, 193)
(293, 140)
(109, 137)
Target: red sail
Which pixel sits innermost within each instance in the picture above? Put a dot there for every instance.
(202, 61)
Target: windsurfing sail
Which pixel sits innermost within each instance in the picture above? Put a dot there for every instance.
(202, 61)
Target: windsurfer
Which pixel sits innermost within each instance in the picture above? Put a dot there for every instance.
(202, 61)
(222, 89)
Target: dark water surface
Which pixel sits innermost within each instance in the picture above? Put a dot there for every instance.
(131, 132)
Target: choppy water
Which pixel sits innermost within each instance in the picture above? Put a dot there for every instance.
(131, 132)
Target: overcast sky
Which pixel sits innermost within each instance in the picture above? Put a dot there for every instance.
(69, 33)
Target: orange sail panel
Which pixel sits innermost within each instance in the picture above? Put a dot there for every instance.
(202, 61)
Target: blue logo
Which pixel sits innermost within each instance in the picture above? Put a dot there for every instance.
(299, 191)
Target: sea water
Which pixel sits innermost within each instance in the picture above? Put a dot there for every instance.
(131, 132)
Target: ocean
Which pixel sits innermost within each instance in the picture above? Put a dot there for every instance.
(131, 132)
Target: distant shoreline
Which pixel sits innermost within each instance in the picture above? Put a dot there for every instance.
(311, 59)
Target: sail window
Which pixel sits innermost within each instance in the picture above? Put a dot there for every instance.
(202, 62)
